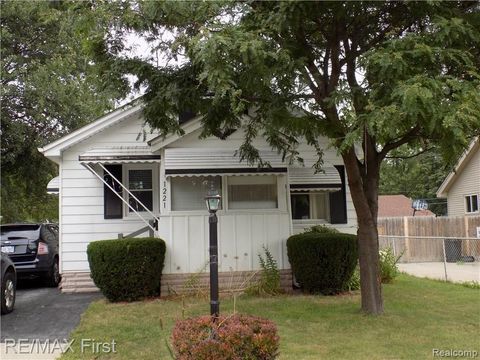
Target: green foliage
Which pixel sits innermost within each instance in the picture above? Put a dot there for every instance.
(50, 87)
(269, 282)
(379, 75)
(231, 337)
(354, 282)
(321, 229)
(127, 269)
(323, 262)
(415, 177)
(472, 285)
(388, 265)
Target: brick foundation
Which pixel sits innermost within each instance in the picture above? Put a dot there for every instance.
(172, 284)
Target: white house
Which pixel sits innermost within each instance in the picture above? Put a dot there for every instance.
(462, 186)
(111, 182)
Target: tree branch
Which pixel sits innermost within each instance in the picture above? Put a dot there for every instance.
(410, 156)
(409, 136)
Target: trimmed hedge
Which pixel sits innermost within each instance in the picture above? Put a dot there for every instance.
(323, 262)
(127, 269)
(232, 337)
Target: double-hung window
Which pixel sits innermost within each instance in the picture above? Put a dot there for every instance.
(314, 205)
(140, 185)
(138, 179)
(471, 204)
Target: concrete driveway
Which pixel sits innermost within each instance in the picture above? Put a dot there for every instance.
(456, 272)
(41, 314)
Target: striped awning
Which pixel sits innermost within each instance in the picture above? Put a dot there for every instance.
(53, 186)
(305, 179)
(204, 162)
(119, 155)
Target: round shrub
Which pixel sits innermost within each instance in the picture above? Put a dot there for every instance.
(234, 337)
(323, 262)
(127, 269)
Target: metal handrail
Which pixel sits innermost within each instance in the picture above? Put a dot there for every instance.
(128, 191)
(119, 196)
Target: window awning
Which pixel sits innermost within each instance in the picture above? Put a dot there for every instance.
(304, 179)
(53, 186)
(119, 155)
(204, 162)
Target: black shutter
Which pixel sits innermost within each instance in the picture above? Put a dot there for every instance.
(338, 201)
(112, 205)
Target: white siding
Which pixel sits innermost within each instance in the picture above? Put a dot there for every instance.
(241, 233)
(466, 183)
(307, 152)
(241, 237)
(81, 198)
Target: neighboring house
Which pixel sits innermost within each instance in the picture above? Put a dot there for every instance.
(170, 176)
(462, 186)
(398, 205)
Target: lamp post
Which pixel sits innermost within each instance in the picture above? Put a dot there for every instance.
(213, 203)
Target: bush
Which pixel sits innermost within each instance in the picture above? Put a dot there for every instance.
(388, 265)
(322, 229)
(354, 282)
(322, 262)
(234, 337)
(269, 282)
(127, 269)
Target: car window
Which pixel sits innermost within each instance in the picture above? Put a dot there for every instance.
(19, 231)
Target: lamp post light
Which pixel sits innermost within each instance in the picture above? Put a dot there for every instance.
(213, 199)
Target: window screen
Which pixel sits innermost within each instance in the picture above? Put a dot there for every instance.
(252, 192)
(140, 185)
(188, 193)
(112, 205)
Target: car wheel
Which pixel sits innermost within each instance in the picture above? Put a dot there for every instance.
(8, 292)
(53, 275)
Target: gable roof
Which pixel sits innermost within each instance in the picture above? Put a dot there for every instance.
(398, 205)
(461, 164)
(55, 148)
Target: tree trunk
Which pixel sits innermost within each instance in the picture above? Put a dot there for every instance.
(370, 280)
(363, 186)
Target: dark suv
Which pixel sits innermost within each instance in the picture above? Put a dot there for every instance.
(33, 248)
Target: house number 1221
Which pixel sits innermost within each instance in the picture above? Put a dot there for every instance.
(164, 195)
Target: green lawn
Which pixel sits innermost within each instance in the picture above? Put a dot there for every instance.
(420, 315)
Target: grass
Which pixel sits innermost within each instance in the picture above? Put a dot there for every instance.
(420, 315)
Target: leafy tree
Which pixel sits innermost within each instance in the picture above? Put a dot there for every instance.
(49, 88)
(377, 74)
(417, 177)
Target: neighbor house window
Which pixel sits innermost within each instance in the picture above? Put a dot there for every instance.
(309, 205)
(140, 184)
(188, 193)
(471, 203)
(252, 192)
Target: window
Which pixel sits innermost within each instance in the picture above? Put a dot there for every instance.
(471, 203)
(140, 184)
(309, 206)
(188, 193)
(252, 192)
(112, 204)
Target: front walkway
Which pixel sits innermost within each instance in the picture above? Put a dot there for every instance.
(456, 272)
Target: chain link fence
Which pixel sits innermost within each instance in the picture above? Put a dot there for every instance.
(447, 258)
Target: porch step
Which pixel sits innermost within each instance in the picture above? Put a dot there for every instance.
(77, 282)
